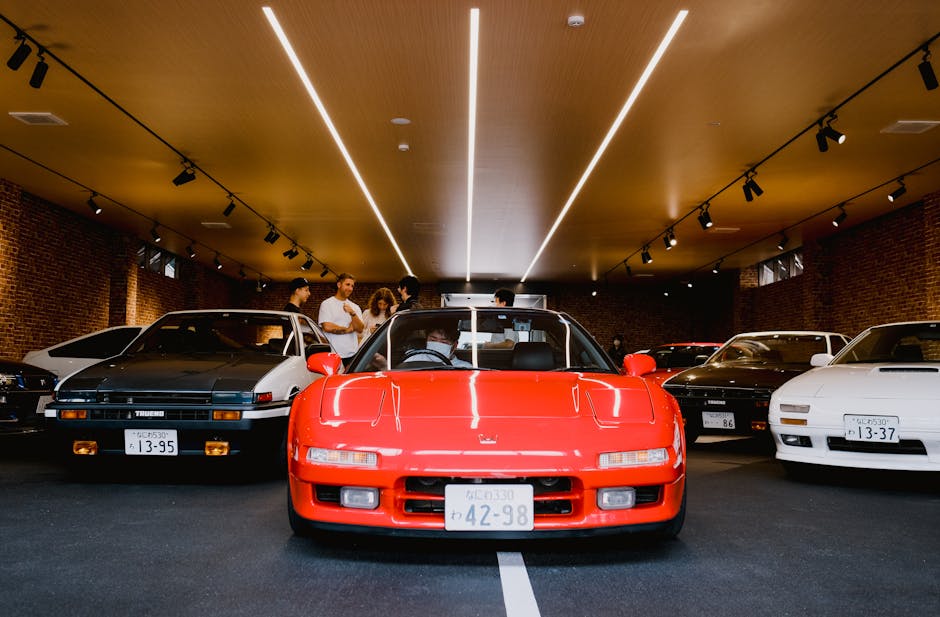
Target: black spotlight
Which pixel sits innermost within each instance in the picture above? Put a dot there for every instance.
(241, 271)
(326, 271)
(751, 188)
(155, 234)
(717, 266)
(705, 219)
(645, 256)
(92, 205)
(825, 133)
(627, 267)
(229, 208)
(191, 251)
(291, 252)
(39, 73)
(840, 217)
(187, 175)
(307, 264)
(19, 56)
(926, 71)
(893, 197)
(783, 241)
(217, 262)
(666, 241)
(272, 235)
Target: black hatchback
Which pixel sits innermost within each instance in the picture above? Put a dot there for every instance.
(24, 392)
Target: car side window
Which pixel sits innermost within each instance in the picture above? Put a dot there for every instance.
(100, 346)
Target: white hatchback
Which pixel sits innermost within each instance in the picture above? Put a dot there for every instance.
(876, 405)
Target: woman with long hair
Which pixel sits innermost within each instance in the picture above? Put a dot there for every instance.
(377, 311)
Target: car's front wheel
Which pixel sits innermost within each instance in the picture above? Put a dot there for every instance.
(674, 526)
(298, 524)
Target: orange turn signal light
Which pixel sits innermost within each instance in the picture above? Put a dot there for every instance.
(758, 425)
(794, 421)
(216, 448)
(86, 448)
(226, 414)
(73, 414)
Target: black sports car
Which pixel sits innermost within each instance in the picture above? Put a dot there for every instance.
(24, 392)
(730, 393)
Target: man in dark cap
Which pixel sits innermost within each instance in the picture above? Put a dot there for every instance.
(299, 292)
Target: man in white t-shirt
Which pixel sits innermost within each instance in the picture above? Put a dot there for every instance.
(341, 319)
(501, 298)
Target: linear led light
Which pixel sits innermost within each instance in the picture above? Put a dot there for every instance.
(311, 91)
(650, 67)
(472, 122)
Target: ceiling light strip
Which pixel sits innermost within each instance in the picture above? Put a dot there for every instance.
(305, 79)
(472, 123)
(660, 51)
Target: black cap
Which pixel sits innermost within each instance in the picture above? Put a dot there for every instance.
(299, 282)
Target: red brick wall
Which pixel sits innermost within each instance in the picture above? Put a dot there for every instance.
(62, 275)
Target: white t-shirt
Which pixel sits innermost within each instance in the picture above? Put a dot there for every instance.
(331, 310)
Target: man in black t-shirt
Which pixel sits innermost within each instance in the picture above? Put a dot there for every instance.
(299, 292)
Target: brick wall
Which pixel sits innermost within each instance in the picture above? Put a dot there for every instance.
(62, 275)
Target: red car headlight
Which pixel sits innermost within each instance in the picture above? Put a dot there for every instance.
(324, 456)
(633, 458)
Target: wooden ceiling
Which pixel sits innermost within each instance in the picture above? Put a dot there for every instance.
(144, 84)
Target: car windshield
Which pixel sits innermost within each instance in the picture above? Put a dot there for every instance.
(475, 338)
(680, 356)
(771, 349)
(902, 343)
(217, 332)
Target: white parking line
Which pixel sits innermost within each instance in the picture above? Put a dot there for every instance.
(517, 590)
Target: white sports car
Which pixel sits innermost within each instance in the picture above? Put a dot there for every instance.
(876, 405)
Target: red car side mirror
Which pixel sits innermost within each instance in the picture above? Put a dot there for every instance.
(638, 364)
(324, 363)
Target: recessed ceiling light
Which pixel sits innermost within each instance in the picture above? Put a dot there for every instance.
(38, 118)
(910, 127)
(401, 121)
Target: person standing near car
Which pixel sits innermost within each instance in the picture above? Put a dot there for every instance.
(408, 288)
(299, 293)
(617, 351)
(341, 319)
(378, 310)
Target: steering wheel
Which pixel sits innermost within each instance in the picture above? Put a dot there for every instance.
(417, 352)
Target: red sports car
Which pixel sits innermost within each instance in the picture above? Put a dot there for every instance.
(438, 427)
(676, 357)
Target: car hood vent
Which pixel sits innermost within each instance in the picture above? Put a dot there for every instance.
(908, 369)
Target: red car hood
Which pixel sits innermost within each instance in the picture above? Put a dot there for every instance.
(484, 394)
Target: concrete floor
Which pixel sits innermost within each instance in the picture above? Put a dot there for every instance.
(187, 540)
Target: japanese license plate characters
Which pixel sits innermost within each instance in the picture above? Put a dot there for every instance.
(871, 428)
(151, 442)
(488, 507)
(718, 419)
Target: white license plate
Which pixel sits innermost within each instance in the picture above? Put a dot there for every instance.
(871, 428)
(151, 442)
(41, 405)
(488, 507)
(718, 419)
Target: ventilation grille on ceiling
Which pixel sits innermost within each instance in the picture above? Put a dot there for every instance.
(38, 118)
(910, 127)
(216, 225)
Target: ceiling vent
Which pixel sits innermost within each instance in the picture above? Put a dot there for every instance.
(216, 225)
(38, 118)
(910, 127)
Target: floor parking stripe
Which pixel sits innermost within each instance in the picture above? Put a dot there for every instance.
(517, 590)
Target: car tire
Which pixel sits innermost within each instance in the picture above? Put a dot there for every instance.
(673, 527)
(298, 524)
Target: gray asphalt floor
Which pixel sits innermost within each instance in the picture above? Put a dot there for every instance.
(196, 539)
